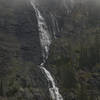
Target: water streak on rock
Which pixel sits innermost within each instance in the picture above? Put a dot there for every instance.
(45, 40)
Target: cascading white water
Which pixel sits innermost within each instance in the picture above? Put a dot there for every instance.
(55, 25)
(45, 43)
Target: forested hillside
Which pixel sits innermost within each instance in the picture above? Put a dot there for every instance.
(74, 57)
(20, 53)
(75, 54)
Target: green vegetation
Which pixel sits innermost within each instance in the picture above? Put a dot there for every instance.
(75, 55)
(19, 78)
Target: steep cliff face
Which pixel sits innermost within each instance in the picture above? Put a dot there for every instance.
(20, 53)
(20, 21)
(74, 58)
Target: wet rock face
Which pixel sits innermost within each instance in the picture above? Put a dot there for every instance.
(22, 23)
(27, 33)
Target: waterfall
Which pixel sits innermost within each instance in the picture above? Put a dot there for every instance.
(55, 25)
(45, 43)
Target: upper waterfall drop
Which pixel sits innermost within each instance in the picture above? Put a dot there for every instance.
(45, 40)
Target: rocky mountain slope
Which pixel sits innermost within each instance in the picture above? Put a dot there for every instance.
(74, 58)
(20, 53)
(75, 55)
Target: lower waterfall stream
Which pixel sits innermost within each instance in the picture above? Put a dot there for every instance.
(45, 40)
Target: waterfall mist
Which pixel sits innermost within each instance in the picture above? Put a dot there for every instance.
(66, 2)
